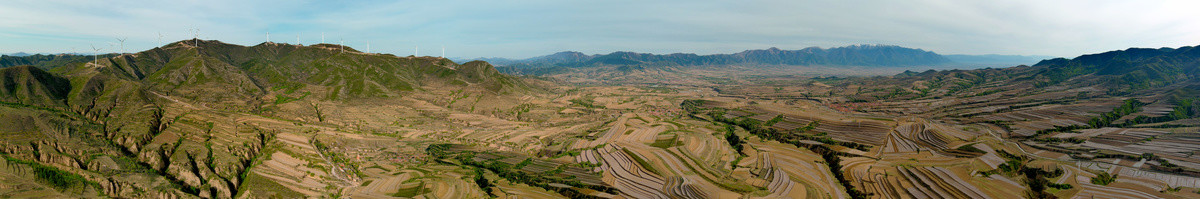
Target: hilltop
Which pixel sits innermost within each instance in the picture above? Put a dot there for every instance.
(47, 62)
(33, 86)
(175, 121)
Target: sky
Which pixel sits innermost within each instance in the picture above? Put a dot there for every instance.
(527, 28)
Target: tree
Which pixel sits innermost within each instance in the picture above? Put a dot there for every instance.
(733, 139)
(1103, 178)
(482, 182)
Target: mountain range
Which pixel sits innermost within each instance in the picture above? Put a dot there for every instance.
(996, 60)
(1133, 68)
(19, 54)
(855, 55)
(248, 70)
(860, 55)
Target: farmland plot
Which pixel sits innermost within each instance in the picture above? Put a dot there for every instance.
(1164, 178)
(938, 182)
(800, 164)
(852, 130)
(628, 176)
(991, 159)
(1097, 191)
(924, 136)
(861, 131)
(780, 184)
(896, 144)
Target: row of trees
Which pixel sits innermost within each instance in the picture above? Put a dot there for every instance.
(833, 161)
(757, 128)
(1035, 178)
(1185, 108)
(483, 182)
(587, 103)
(534, 179)
(56, 178)
(733, 139)
(1129, 106)
(506, 171)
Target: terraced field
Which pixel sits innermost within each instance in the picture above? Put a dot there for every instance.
(629, 176)
(935, 182)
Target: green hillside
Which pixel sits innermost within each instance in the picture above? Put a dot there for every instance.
(155, 124)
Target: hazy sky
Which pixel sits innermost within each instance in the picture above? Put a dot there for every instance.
(520, 29)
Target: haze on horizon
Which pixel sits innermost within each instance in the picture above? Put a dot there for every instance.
(531, 28)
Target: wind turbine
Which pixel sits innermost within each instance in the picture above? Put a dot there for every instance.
(95, 54)
(443, 51)
(416, 50)
(268, 36)
(298, 39)
(322, 37)
(160, 37)
(342, 44)
(368, 47)
(196, 36)
(122, 40)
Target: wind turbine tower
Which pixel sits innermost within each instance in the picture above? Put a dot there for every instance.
(368, 47)
(95, 54)
(416, 50)
(298, 40)
(160, 37)
(196, 36)
(443, 51)
(322, 37)
(342, 44)
(268, 36)
(122, 40)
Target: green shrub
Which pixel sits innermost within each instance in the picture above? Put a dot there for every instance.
(1103, 178)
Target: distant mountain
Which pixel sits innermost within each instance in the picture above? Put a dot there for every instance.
(20, 54)
(558, 58)
(497, 61)
(856, 55)
(539, 61)
(1119, 72)
(997, 60)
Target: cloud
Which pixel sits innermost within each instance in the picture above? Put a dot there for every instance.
(530, 28)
